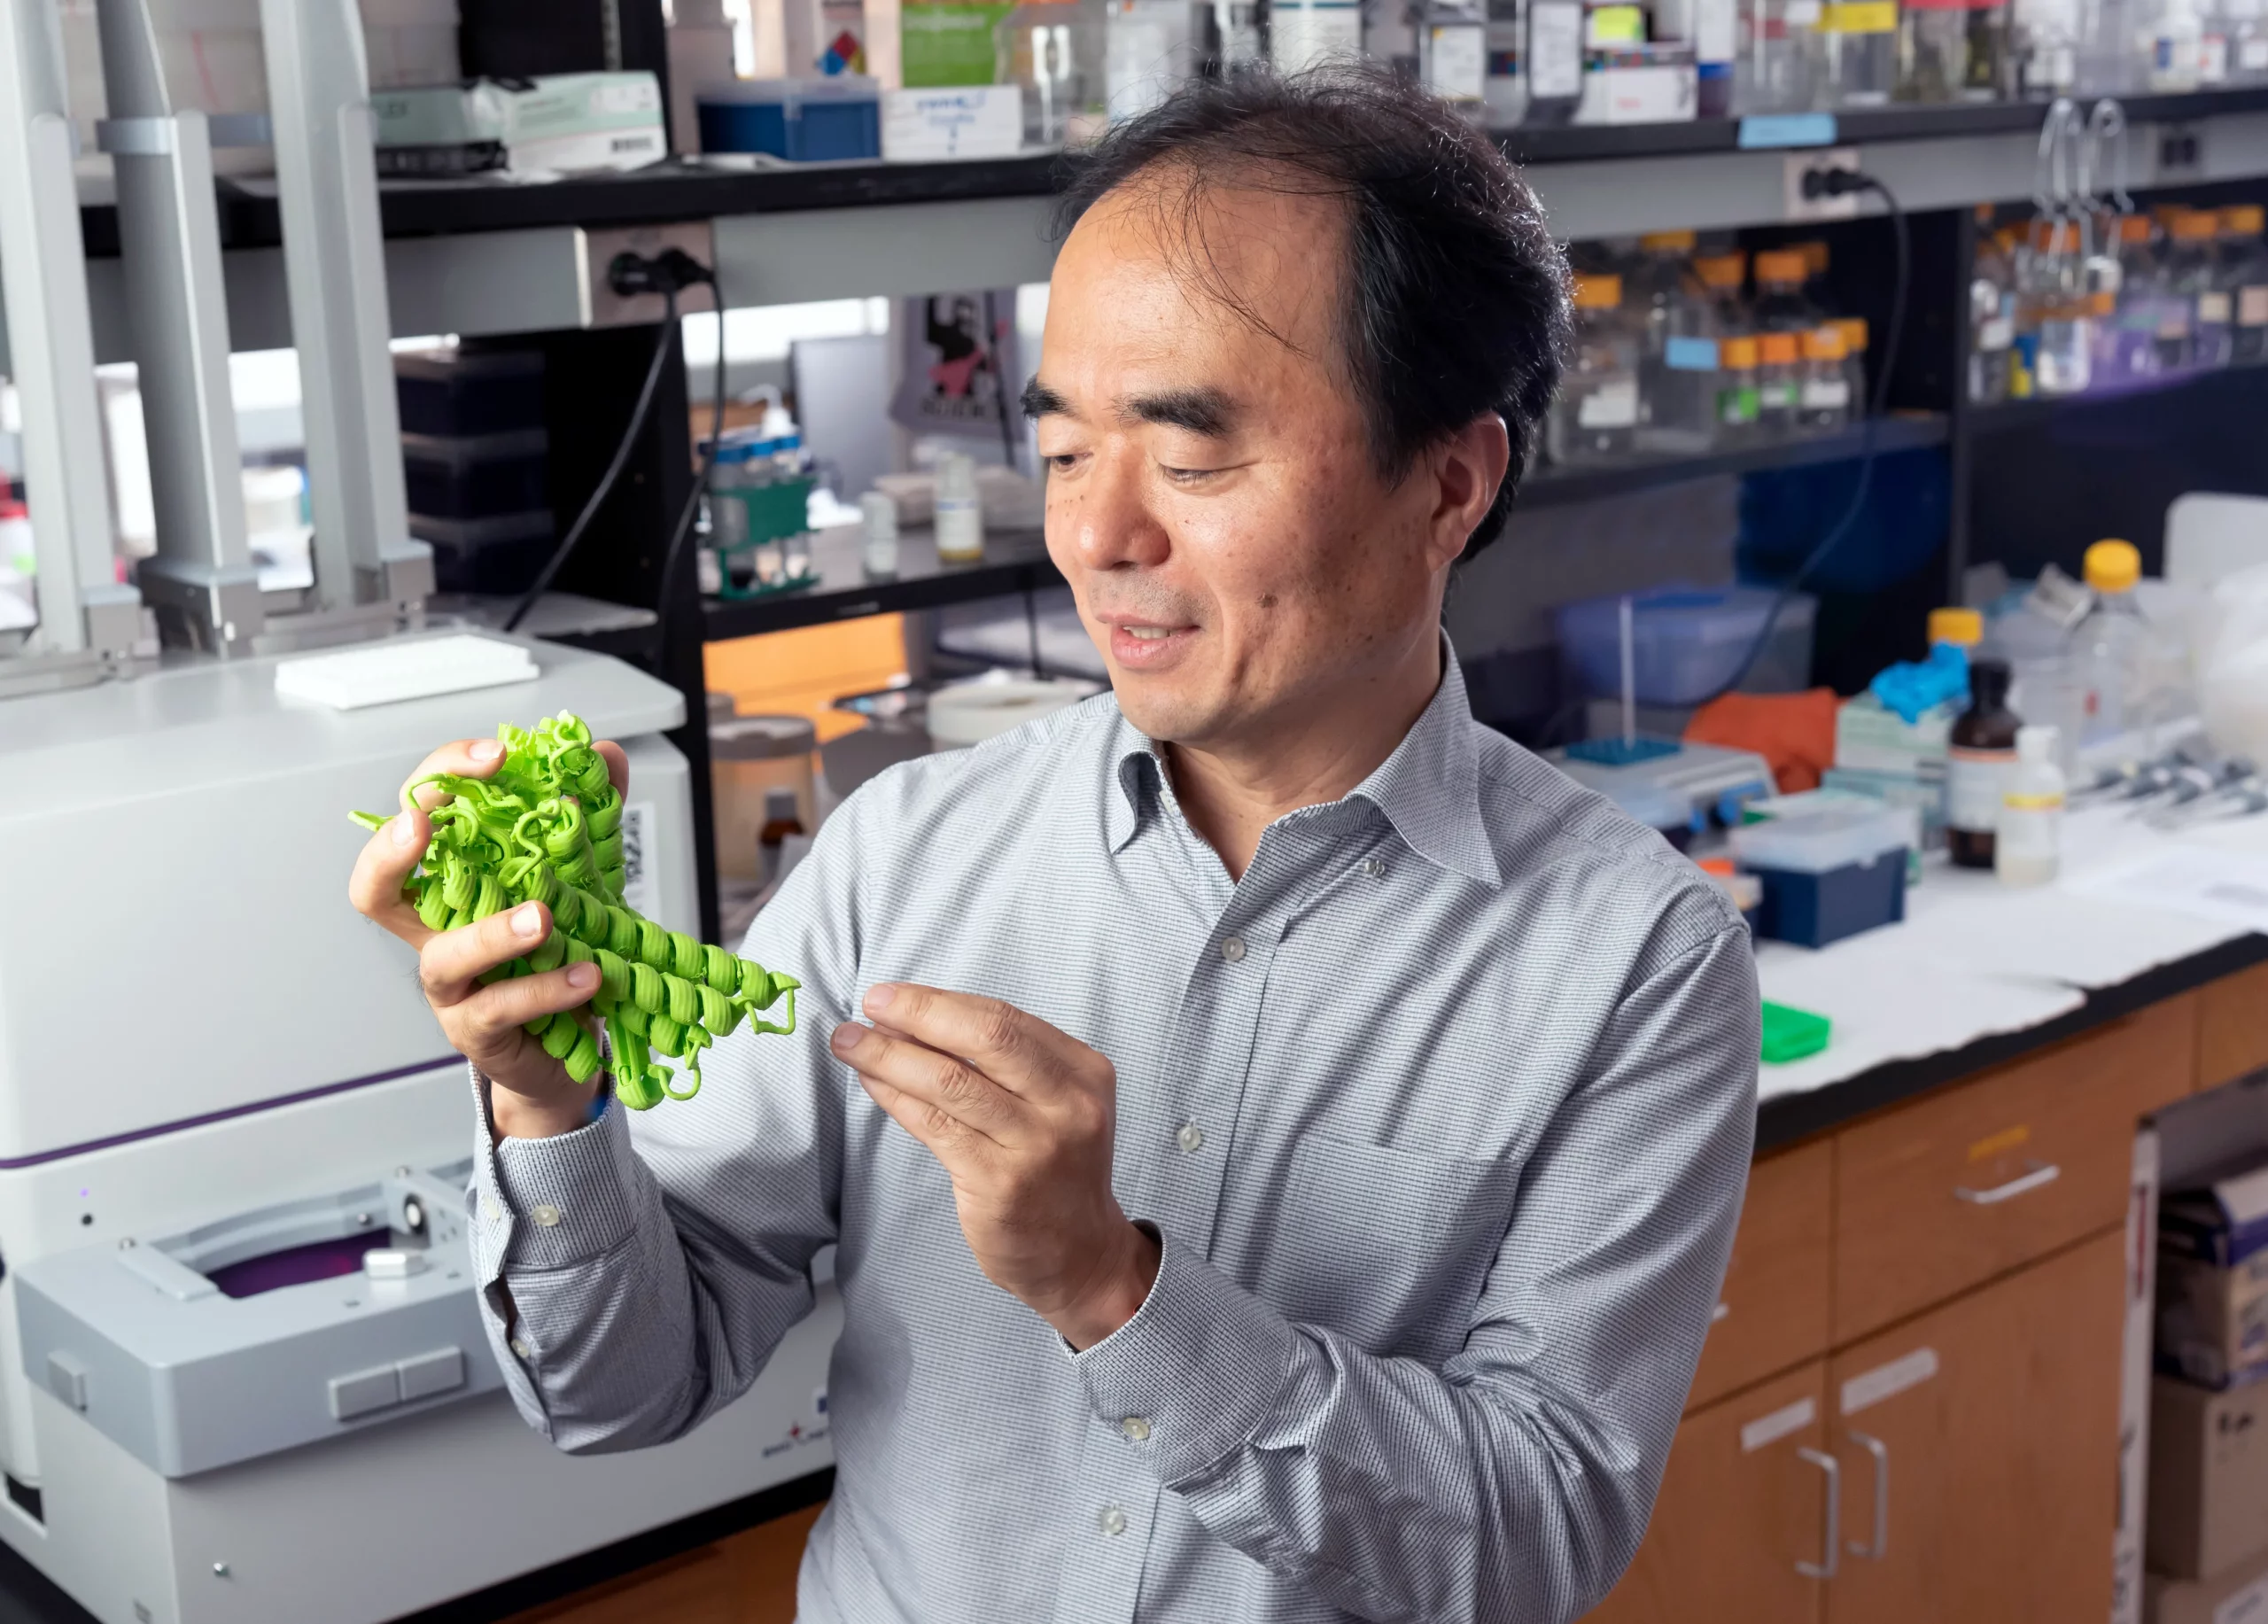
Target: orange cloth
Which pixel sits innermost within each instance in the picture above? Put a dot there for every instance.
(1794, 733)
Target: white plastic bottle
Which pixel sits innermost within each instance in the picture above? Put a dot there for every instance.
(878, 548)
(959, 520)
(2028, 846)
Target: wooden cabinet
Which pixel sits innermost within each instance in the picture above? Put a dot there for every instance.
(1742, 1506)
(1994, 1423)
(1772, 1311)
(747, 1579)
(2232, 1027)
(1944, 1194)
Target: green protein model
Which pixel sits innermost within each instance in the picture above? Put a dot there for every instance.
(548, 827)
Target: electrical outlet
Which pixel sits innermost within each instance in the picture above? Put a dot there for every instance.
(1822, 207)
(2181, 152)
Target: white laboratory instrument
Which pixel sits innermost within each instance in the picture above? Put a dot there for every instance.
(242, 1378)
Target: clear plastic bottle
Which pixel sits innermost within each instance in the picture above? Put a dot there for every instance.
(2174, 47)
(1858, 52)
(2244, 269)
(2112, 646)
(1150, 48)
(1722, 277)
(2028, 843)
(1738, 404)
(1056, 50)
(1991, 320)
(1595, 417)
(1677, 353)
(2044, 46)
(1953, 52)
(2248, 38)
(1826, 404)
(1304, 33)
(2109, 63)
(1776, 69)
(1779, 383)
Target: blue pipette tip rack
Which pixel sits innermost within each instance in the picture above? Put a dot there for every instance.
(1619, 752)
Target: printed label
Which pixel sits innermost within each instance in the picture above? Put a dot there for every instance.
(2213, 59)
(1883, 1382)
(1974, 782)
(2212, 309)
(637, 867)
(1996, 334)
(980, 122)
(2253, 54)
(1700, 355)
(2252, 303)
(1612, 406)
(1778, 1425)
(1778, 395)
(1555, 49)
(1827, 394)
(1458, 66)
(1737, 408)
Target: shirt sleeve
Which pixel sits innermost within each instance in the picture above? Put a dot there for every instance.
(636, 1274)
(1515, 1481)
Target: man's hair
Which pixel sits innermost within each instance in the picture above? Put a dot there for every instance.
(1455, 295)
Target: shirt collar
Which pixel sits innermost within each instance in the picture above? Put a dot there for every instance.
(1429, 788)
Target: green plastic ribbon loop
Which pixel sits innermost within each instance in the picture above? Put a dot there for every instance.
(547, 826)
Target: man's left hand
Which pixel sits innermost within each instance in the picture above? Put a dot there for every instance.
(1022, 1116)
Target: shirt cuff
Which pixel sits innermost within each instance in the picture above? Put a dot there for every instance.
(549, 1203)
(1196, 1371)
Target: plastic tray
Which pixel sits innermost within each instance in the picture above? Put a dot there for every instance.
(1687, 642)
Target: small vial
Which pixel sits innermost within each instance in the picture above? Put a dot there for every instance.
(878, 552)
(2028, 846)
(960, 522)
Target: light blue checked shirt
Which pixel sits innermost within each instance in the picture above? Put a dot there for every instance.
(1443, 1112)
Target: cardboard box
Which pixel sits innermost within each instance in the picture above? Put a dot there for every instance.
(2238, 1597)
(2208, 1478)
(2213, 1281)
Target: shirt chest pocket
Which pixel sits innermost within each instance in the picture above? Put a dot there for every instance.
(1387, 1246)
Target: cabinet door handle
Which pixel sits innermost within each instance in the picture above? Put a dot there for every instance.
(2040, 1174)
(1832, 1539)
(1880, 1450)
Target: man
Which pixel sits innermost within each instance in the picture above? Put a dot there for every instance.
(1282, 1140)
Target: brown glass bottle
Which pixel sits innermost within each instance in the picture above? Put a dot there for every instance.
(1982, 752)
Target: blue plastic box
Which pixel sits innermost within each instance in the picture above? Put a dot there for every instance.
(1685, 642)
(1812, 910)
(805, 120)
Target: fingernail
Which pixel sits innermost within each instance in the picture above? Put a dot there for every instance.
(878, 998)
(399, 826)
(847, 1037)
(527, 921)
(582, 977)
(486, 750)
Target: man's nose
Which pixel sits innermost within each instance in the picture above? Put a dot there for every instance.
(1112, 522)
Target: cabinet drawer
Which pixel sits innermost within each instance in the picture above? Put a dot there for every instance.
(1772, 1313)
(2232, 1027)
(1933, 1198)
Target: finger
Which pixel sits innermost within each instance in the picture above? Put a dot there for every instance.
(949, 1085)
(502, 1007)
(1020, 1051)
(467, 758)
(954, 1144)
(386, 861)
(617, 765)
(451, 961)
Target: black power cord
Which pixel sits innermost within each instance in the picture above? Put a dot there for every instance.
(668, 273)
(1839, 183)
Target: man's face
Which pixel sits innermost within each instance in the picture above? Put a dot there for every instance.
(1211, 496)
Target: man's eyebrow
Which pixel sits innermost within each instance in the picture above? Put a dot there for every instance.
(1041, 401)
(1204, 410)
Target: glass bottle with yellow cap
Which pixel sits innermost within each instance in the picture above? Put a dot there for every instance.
(1825, 405)
(1781, 304)
(1736, 402)
(1779, 383)
(1857, 51)
(2244, 269)
(1595, 417)
(2062, 318)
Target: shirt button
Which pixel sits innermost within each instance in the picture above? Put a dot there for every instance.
(1112, 1520)
(1191, 1138)
(1372, 868)
(1135, 1428)
(519, 1348)
(546, 1214)
(1232, 949)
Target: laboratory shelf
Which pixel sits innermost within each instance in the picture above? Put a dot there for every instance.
(1553, 487)
(2001, 416)
(1014, 562)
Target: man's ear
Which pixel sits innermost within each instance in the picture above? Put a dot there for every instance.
(1467, 468)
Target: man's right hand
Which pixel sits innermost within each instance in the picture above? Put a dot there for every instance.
(533, 1097)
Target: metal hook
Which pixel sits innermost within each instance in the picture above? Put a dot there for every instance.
(2107, 123)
